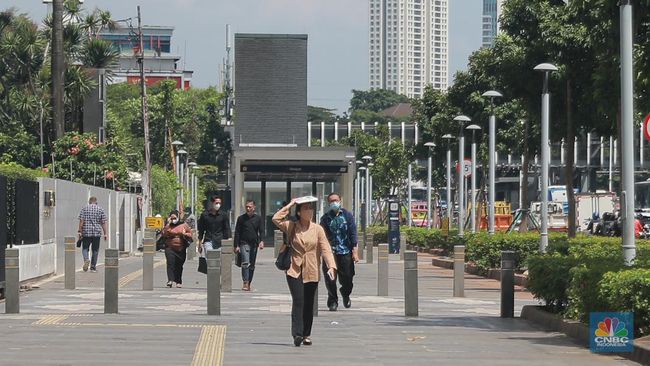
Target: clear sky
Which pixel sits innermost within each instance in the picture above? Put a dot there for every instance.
(337, 30)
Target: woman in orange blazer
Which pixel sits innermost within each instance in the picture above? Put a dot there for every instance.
(309, 244)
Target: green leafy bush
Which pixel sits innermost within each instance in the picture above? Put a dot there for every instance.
(163, 190)
(16, 171)
(628, 290)
(548, 278)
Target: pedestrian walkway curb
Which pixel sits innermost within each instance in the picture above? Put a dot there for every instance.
(494, 274)
(575, 329)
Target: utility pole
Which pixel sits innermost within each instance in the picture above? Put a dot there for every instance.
(58, 68)
(146, 180)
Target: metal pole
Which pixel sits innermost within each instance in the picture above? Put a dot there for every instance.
(461, 182)
(148, 252)
(357, 197)
(69, 266)
(213, 257)
(111, 281)
(507, 284)
(146, 181)
(588, 160)
(382, 270)
(627, 131)
(12, 281)
(226, 265)
(58, 69)
(409, 219)
(543, 243)
(411, 307)
(473, 180)
(492, 173)
(450, 204)
(429, 167)
(610, 178)
(367, 213)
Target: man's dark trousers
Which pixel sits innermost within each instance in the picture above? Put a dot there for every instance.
(344, 272)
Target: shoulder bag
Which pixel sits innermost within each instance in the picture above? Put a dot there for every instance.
(283, 262)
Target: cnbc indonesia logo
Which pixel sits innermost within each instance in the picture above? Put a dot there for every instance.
(611, 332)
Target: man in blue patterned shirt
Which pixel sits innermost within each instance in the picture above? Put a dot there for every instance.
(92, 222)
(341, 232)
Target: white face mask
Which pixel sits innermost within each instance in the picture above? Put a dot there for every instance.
(175, 221)
(217, 206)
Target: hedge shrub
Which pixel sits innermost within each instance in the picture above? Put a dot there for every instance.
(628, 290)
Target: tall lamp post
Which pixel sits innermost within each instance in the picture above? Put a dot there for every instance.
(473, 128)
(180, 155)
(190, 183)
(546, 69)
(370, 212)
(450, 201)
(366, 159)
(362, 198)
(430, 146)
(491, 159)
(627, 130)
(461, 162)
(357, 191)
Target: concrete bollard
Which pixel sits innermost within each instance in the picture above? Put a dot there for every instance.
(507, 284)
(411, 307)
(213, 257)
(70, 243)
(402, 245)
(369, 244)
(111, 280)
(459, 271)
(382, 270)
(149, 233)
(12, 281)
(191, 249)
(278, 240)
(226, 265)
(148, 253)
(361, 239)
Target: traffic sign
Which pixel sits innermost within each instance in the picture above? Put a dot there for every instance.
(467, 168)
(153, 222)
(646, 127)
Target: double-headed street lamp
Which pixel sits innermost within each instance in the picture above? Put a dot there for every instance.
(461, 173)
(430, 146)
(546, 153)
(450, 201)
(473, 128)
(491, 159)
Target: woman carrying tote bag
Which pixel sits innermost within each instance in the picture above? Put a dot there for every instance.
(308, 244)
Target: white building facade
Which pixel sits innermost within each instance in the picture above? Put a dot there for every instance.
(408, 45)
(491, 14)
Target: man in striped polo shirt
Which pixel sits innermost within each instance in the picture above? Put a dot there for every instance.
(92, 222)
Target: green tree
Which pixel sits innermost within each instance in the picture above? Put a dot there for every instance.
(375, 100)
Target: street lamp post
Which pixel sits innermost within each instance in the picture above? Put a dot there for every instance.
(473, 128)
(363, 196)
(546, 69)
(180, 154)
(367, 159)
(370, 212)
(409, 211)
(357, 191)
(448, 137)
(461, 162)
(429, 145)
(491, 159)
(190, 183)
(627, 130)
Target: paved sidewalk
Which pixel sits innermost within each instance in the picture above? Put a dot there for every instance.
(169, 326)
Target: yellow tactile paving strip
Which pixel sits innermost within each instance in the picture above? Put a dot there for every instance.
(209, 349)
(134, 275)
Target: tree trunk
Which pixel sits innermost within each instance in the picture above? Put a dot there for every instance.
(569, 167)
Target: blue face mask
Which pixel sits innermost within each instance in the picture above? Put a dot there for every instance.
(335, 206)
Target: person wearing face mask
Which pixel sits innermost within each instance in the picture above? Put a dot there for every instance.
(177, 235)
(248, 234)
(213, 226)
(308, 244)
(341, 232)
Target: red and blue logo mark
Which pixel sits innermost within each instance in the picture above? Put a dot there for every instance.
(611, 332)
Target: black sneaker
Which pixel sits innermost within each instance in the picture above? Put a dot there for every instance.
(297, 341)
(346, 302)
(333, 306)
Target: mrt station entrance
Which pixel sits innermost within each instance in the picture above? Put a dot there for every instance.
(272, 176)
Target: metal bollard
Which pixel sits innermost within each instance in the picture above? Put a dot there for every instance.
(278, 240)
(12, 281)
(111, 280)
(226, 265)
(402, 245)
(191, 249)
(411, 283)
(369, 244)
(507, 284)
(70, 243)
(459, 271)
(150, 233)
(213, 257)
(148, 253)
(382, 270)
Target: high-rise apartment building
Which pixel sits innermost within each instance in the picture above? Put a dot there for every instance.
(408, 45)
(491, 13)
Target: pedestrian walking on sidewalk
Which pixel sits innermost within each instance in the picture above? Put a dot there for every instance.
(92, 222)
(341, 232)
(308, 244)
(213, 226)
(248, 234)
(177, 236)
